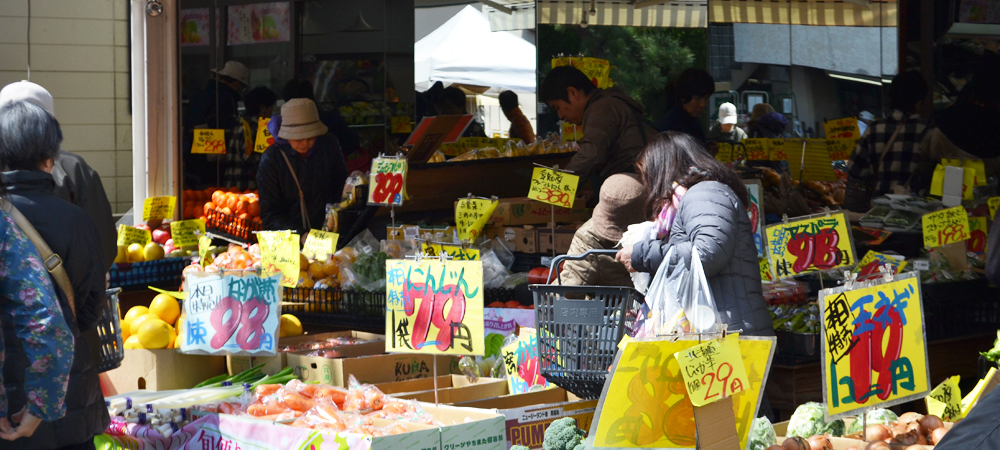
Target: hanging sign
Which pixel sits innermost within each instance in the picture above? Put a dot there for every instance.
(756, 214)
(713, 371)
(724, 152)
(183, 231)
(978, 232)
(810, 245)
(401, 125)
(131, 235)
(841, 149)
(387, 182)
(867, 268)
(434, 306)
(945, 227)
(209, 141)
(279, 252)
(456, 252)
(471, 215)
(553, 187)
(320, 245)
(230, 314)
(204, 245)
(846, 128)
(158, 208)
(945, 401)
(765, 270)
(778, 149)
(994, 204)
(520, 358)
(264, 138)
(873, 346)
(756, 149)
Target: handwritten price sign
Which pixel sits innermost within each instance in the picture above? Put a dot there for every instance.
(204, 244)
(945, 401)
(183, 231)
(571, 132)
(978, 232)
(765, 270)
(874, 350)
(130, 235)
(841, 149)
(756, 149)
(553, 187)
(713, 371)
(158, 208)
(454, 251)
(945, 227)
(842, 128)
(434, 307)
(387, 182)
(209, 141)
(520, 358)
(868, 267)
(279, 252)
(230, 314)
(810, 245)
(471, 216)
(264, 138)
(777, 149)
(320, 244)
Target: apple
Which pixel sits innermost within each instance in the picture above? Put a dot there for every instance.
(331, 354)
(160, 236)
(142, 226)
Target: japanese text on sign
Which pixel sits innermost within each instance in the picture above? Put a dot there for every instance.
(810, 245)
(264, 138)
(646, 404)
(765, 270)
(456, 252)
(571, 132)
(842, 128)
(320, 244)
(874, 351)
(713, 370)
(158, 208)
(841, 149)
(868, 267)
(777, 150)
(387, 182)
(471, 216)
(209, 141)
(434, 307)
(230, 314)
(945, 401)
(279, 252)
(553, 187)
(130, 235)
(756, 149)
(978, 232)
(183, 231)
(945, 227)
(520, 358)
(994, 204)
(401, 125)
(724, 152)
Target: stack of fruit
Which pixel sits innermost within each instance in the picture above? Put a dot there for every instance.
(162, 246)
(157, 326)
(197, 204)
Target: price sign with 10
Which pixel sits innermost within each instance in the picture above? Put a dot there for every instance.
(387, 182)
(231, 314)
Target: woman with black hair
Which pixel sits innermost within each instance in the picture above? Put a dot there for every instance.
(688, 95)
(697, 202)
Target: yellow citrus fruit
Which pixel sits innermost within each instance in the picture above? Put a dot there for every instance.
(305, 281)
(180, 323)
(177, 342)
(126, 332)
(132, 313)
(165, 307)
(152, 252)
(155, 333)
(133, 327)
(132, 343)
(290, 326)
(303, 262)
(330, 267)
(135, 253)
(122, 255)
(316, 270)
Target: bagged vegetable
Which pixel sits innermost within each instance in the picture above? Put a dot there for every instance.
(362, 263)
(809, 420)
(882, 416)
(761, 434)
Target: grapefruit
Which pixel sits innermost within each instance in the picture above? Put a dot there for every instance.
(132, 343)
(132, 314)
(290, 326)
(134, 326)
(165, 307)
(135, 253)
(153, 252)
(155, 333)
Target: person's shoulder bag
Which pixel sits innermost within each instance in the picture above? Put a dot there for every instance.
(858, 191)
(52, 262)
(302, 196)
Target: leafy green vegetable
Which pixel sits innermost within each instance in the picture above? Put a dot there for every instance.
(563, 434)
(809, 420)
(762, 434)
(882, 416)
(835, 428)
(371, 266)
(994, 354)
(494, 342)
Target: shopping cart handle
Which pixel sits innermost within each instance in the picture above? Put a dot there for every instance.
(559, 259)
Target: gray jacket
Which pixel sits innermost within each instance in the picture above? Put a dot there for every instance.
(712, 218)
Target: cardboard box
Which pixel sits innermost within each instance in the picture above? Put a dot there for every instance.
(451, 389)
(372, 369)
(468, 428)
(528, 415)
(419, 437)
(524, 211)
(164, 369)
(563, 239)
(519, 239)
(274, 364)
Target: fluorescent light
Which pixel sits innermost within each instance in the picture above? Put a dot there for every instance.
(857, 79)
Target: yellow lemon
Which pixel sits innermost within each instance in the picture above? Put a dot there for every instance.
(305, 281)
(152, 252)
(133, 327)
(180, 323)
(132, 343)
(316, 270)
(132, 314)
(155, 333)
(290, 326)
(122, 255)
(126, 332)
(177, 342)
(165, 307)
(135, 253)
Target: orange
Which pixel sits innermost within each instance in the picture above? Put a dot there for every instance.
(231, 201)
(217, 197)
(242, 207)
(243, 216)
(208, 207)
(256, 219)
(253, 207)
(226, 210)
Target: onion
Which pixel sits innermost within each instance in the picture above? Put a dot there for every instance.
(915, 447)
(931, 423)
(795, 443)
(877, 445)
(776, 447)
(877, 432)
(906, 418)
(937, 435)
(820, 442)
(921, 431)
(853, 447)
(908, 438)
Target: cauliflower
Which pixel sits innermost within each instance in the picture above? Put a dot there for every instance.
(563, 434)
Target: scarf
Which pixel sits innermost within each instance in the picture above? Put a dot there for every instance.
(665, 220)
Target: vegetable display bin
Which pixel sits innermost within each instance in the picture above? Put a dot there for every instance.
(960, 308)
(232, 227)
(162, 273)
(798, 345)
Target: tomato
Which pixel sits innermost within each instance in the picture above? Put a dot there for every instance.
(538, 275)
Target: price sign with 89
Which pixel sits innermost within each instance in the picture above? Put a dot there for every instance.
(387, 182)
(553, 187)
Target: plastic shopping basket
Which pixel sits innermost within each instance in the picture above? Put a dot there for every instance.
(579, 328)
(109, 333)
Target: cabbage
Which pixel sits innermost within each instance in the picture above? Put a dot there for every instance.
(835, 428)
(809, 420)
(882, 416)
(761, 435)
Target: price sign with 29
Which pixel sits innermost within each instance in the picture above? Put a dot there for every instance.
(553, 187)
(387, 182)
(713, 370)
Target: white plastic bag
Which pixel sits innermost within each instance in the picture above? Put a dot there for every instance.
(678, 300)
(636, 233)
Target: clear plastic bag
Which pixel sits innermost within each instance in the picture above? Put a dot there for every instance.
(494, 272)
(634, 234)
(679, 300)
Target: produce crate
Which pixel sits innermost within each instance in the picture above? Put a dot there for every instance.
(960, 308)
(163, 273)
(354, 308)
(232, 227)
(798, 345)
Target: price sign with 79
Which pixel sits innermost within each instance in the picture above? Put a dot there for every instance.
(387, 182)
(553, 187)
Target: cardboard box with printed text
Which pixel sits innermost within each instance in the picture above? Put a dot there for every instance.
(528, 415)
(273, 364)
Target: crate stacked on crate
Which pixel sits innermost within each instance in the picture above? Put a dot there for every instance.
(162, 273)
(232, 227)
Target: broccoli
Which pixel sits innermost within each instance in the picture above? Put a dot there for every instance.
(519, 447)
(563, 434)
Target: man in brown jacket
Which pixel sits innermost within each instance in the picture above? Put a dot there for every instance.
(614, 129)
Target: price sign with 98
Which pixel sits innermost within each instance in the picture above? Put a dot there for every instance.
(230, 314)
(945, 227)
(387, 182)
(553, 187)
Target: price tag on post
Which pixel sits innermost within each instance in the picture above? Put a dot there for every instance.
(520, 359)
(131, 235)
(209, 141)
(713, 370)
(230, 314)
(454, 251)
(471, 216)
(945, 401)
(158, 208)
(994, 204)
(387, 182)
(810, 245)
(204, 244)
(183, 231)
(264, 138)
(945, 227)
(553, 187)
(434, 306)
(320, 244)
(279, 252)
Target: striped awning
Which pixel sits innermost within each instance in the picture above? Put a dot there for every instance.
(805, 12)
(522, 17)
(675, 14)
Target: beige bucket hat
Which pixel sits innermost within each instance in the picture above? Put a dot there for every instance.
(236, 71)
(300, 120)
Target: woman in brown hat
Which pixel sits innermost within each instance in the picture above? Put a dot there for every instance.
(298, 178)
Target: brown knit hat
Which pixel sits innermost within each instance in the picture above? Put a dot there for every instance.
(621, 205)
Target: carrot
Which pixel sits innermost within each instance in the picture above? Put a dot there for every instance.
(228, 408)
(335, 395)
(297, 402)
(355, 401)
(308, 390)
(269, 417)
(266, 389)
(374, 398)
(258, 409)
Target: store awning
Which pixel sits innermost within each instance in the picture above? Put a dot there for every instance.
(676, 14)
(877, 13)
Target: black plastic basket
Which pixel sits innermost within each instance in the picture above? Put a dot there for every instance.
(960, 308)
(162, 273)
(334, 307)
(578, 336)
(109, 333)
(232, 227)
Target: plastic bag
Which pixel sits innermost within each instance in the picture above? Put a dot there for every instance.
(494, 272)
(678, 300)
(504, 254)
(636, 233)
(362, 263)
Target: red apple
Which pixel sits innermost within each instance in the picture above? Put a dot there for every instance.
(160, 236)
(331, 354)
(142, 226)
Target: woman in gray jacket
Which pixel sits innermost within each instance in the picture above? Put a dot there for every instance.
(698, 202)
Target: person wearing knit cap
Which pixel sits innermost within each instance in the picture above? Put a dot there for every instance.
(299, 177)
(621, 204)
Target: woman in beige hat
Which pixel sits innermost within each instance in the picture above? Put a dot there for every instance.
(298, 178)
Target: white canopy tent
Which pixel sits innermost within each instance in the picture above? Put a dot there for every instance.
(464, 51)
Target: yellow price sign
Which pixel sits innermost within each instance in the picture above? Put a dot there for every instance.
(471, 216)
(994, 205)
(713, 371)
(724, 152)
(247, 137)
(945, 227)
(183, 231)
(264, 138)
(777, 150)
(131, 235)
(873, 346)
(841, 149)
(765, 270)
(454, 251)
(520, 359)
(209, 141)
(279, 252)
(571, 132)
(756, 149)
(401, 125)
(434, 307)
(553, 187)
(846, 128)
(320, 244)
(158, 208)
(810, 245)
(868, 267)
(387, 182)
(945, 401)
(204, 245)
